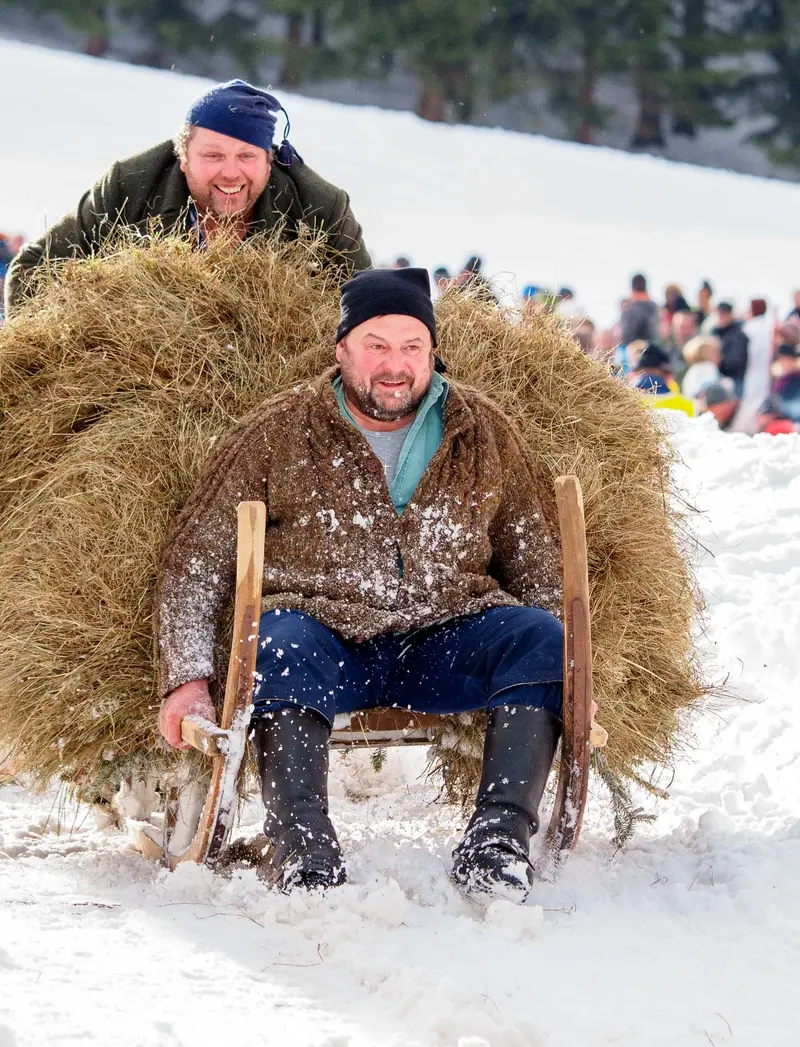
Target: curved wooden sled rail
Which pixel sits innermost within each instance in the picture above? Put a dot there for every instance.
(225, 745)
(573, 774)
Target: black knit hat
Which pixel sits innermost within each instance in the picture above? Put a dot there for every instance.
(653, 357)
(386, 292)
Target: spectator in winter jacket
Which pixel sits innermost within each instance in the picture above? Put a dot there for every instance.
(652, 375)
(721, 402)
(584, 333)
(705, 303)
(604, 346)
(442, 280)
(682, 330)
(703, 355)
(734, 347)
(412, 560)
(567, 306)
(6, 256)
(773, 420)
(786, 381)
(674, 301)
(786, 362)
(221, 172)
(787, 333)
(471, 278)
(639, 318)
(758, 329)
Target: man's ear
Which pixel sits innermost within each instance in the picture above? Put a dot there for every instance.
(339, 350)
(183, 166)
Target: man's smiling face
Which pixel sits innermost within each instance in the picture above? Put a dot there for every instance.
(387, 367)
(225, 176)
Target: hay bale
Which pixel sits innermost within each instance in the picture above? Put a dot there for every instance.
(114, 385)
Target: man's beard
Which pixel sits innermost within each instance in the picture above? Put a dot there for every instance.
(404, 402)
(206, 207)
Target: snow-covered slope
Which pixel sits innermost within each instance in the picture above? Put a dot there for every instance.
(689, 937)
(539, 211)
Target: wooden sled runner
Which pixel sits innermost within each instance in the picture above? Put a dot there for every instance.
(375, 728)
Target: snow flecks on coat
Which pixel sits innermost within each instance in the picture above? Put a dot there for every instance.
(480, 531)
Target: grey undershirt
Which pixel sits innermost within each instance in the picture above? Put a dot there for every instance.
(387, 447)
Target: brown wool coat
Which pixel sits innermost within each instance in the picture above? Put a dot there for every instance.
(480, 532)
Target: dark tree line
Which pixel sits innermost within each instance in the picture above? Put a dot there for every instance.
(692, 64)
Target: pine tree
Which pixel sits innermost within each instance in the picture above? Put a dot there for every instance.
(588, 46)
(698, 91)
(774, 27)
(463, 55)
(689, 93)
(179, 38)
(89, 17)
(646, 32)
(305, 52)
(436, 40)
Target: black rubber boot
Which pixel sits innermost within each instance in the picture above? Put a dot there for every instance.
(517, 755)
(292, 752)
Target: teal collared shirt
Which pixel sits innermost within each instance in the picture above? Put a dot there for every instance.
(421, 444)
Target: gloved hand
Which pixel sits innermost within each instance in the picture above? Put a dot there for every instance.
(190, 699)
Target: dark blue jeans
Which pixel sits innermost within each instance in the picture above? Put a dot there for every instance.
(503, 656)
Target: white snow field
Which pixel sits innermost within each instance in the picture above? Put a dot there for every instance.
(539, 211)
(690, 936)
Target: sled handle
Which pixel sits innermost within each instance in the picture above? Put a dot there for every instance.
(573, 777)
(204, 736)
(247, 608)
(252, 521)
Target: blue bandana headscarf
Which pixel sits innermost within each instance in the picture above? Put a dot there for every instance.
(241, 111)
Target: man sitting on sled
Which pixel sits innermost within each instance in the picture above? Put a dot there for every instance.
(412, 560)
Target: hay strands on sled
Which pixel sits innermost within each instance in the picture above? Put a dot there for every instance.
(225, 745)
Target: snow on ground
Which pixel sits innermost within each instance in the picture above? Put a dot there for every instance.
(539, 211)
(690, 936)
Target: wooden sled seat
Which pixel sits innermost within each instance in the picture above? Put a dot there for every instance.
(376, 728)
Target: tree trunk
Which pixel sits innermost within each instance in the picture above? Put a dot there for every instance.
(459, 90)
(431, 104)
(318, 28)
(292, 61)
(586, 92)
(692, 62)
(648, 133)
(96, 45)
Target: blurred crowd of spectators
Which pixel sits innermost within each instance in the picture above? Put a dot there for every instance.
(698, 358)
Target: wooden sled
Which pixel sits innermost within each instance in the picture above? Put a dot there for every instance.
(377, 728)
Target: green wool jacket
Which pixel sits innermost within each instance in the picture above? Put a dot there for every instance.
(480, 530)
(151, 186)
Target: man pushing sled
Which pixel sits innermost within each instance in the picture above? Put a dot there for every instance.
(412, 560)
